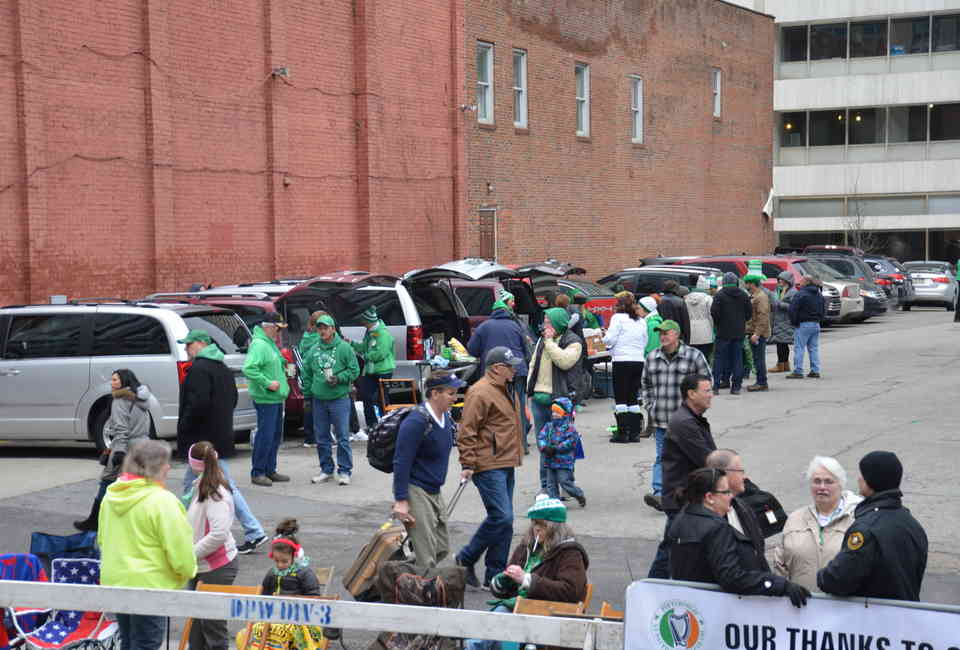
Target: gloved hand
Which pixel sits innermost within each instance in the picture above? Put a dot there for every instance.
(797, 594)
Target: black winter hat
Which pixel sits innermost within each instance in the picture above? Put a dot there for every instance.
(881, 470)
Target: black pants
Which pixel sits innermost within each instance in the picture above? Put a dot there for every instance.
(207, 634)
(706, 349)
(627, 376)
(369, 388)
(783, 353)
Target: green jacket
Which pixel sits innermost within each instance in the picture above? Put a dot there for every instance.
(307, 343)
(590, 320)
(338, 355)
(653, 337)
(263, 366)
(145, 538)
(377, 350)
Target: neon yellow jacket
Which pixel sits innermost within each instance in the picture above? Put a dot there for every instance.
(144, 536)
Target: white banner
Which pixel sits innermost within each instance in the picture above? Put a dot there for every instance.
(665, 617)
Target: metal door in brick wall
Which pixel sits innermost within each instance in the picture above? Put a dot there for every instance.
(488, 233)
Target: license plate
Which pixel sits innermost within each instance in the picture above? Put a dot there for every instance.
(922, 281)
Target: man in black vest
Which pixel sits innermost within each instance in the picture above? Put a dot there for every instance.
(884, 552)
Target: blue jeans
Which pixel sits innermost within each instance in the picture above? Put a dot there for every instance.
(759, 350)
(661, 563)
(541, 415)
(495, 532)
(728, 362)
(335, 413)
(141, 632)
(368, 387)
(308, 436)
(481, 644)
(806, 337)
(659, 435)
(266, 443)
(558, 479)
(252, 530)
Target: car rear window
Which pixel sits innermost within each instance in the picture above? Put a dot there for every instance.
(226, 328)
(345, 305)
(478, 300)
(128, 335)
(926, 268)
(252, 315)
(843, 267)
(588, 288)
(881, 266)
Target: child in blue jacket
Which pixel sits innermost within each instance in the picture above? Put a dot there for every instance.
(557, 442)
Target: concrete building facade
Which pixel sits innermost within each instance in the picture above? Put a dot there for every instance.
(867, 144)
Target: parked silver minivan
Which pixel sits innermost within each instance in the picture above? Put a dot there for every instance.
(56, 362)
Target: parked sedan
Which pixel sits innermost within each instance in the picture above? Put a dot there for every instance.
(854, 268)
(933, 283)
(893, 278)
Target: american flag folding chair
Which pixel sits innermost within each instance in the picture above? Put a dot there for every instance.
(73, 629)
(16, 622)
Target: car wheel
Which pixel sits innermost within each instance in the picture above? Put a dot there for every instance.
(98, 429)
(952, 305)
(905, 306)
(241, 437)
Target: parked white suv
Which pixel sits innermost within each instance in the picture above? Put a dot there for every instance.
(56, 362)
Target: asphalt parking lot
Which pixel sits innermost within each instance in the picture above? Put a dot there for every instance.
(889, 383)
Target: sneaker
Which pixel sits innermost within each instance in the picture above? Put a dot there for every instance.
(794, 375)
(813, 375)
(260, 479)
(716, 391)
(276, 477)
(343, 479)
(582, 501)
(248, 547)
(322, 477)
(757, 387)
(309, 444)
(470, 574)
(359, 436)
(734, 391)
(654, 501)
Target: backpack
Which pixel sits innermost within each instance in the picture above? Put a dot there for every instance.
(382, 438)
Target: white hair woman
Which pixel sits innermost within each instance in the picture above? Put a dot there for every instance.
(813, 534)
(145, 538)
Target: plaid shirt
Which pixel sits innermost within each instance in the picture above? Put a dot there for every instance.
(662, 377)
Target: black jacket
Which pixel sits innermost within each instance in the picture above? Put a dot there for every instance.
(731, 309)
(705, 548)
(752, 530)
(884, 552)
(672, 307)
(208, 396)
(807, 305)
(302, 581)
(685, 449)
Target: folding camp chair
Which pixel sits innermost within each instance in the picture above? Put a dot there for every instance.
(74, 628)
(17, 622)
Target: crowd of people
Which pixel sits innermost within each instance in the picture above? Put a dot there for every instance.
(841, 543)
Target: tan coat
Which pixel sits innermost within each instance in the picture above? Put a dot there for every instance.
(759, 322)
(489, 435)
(806, 548)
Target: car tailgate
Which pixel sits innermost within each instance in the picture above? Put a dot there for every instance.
(235, 363)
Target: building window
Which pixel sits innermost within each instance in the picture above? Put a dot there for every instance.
(868, 39)
(716, 81)
(867, 125)
(793, 43)
(582, 73)
(945, 122)
(520, 88)
(793, 129)
(909, 36)
(636, 109)
(946, 33)
(907, 124)
(827, 128)
(485, 82)
(828, 41)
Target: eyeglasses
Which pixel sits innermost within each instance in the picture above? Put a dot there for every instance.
(731, 469)
(721, 491)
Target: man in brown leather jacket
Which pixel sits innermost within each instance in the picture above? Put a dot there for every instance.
(490, 446)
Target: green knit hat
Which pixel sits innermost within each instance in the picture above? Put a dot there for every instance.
(754, 272)
(548, 509)
(506, 296)
(369, 315)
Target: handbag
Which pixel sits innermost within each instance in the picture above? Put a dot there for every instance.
(770, 514)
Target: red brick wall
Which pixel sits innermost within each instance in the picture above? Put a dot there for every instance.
(145, 146)
(695, 185)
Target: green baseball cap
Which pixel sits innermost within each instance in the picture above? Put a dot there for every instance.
(196, 335)
(326, 319)
(667, 325)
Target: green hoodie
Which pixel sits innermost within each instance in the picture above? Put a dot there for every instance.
(559, 317)
(307, 343)
(144, 537)
(653, 337)
(338, 355)
(211, 352)
(377, 350)
(263, 366)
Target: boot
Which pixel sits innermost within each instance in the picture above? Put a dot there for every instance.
(780, 367)
(636, 428)
(622, 434)
(92, 521)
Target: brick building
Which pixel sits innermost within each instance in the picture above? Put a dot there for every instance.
(146, 145)
(652, 169)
